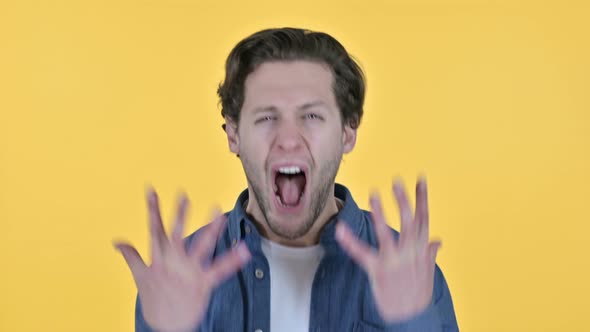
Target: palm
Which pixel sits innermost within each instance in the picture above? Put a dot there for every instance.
(174, 290)
(401, 271)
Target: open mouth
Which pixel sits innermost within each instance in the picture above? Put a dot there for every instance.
(289, 185)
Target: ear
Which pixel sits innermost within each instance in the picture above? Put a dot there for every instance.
(348, 138)
(233, 139)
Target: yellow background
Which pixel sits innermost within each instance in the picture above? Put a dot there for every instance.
(490, 99)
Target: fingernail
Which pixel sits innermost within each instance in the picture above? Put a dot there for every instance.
(243, 252)
(180, 195)
(219, 217)
(117, 246)
(340, 231)
(422, 180)
(150, 195)
(373, 197)
(215, 212)
(183, 200)
(397, 183)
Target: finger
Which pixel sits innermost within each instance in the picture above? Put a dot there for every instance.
(384, 235)
(230, 263)
(407, 230)
(433, 249)
(422, 215)
(202, 246)
(133, 259)
(361, 253)
(157, 233)
(180, 221)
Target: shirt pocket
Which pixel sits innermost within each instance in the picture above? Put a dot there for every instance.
(362, 326)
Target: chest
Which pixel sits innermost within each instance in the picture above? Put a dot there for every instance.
(338, 295)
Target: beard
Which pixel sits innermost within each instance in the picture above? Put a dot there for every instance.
(319, 195)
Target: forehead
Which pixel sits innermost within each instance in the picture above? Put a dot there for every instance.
(288, 83)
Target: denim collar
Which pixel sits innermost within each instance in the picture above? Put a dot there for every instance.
(238, 221)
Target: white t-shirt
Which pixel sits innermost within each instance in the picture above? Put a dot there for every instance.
(292, 270)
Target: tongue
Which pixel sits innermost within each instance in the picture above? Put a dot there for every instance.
(290, 188)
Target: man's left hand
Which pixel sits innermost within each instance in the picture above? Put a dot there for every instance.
(401, 271)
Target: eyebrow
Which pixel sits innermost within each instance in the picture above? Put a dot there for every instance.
(265, 109)
(312, 105)
(303, 107)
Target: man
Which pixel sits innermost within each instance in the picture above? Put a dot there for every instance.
(295, 253)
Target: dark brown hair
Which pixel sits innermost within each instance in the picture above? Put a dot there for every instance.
(288, 44)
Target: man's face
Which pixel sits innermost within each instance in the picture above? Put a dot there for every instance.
(290, 140)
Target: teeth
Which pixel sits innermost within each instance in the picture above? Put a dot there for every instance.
(290, 170)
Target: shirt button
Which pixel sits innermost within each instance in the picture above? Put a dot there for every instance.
(259, 274)
(258, 330)
(248, 232)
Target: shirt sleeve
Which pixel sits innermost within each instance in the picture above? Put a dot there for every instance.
(142, 326)
(140, 323)
(438, 317)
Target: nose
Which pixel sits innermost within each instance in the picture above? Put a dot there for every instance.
(289, 137)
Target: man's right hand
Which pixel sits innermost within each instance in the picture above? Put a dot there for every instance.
(175, 289)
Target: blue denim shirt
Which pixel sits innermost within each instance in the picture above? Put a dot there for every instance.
(341, 296)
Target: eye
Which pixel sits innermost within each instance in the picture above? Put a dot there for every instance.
(313, 116)
(264, 119)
